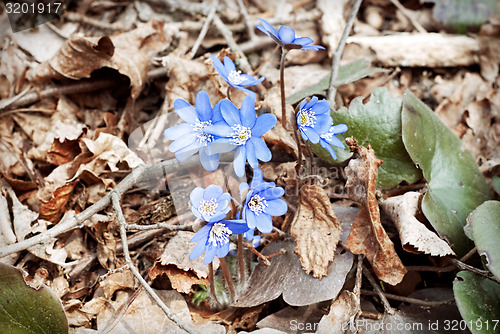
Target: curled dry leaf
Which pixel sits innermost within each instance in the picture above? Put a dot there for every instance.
(128, 53)
(342, 311)
(368, 236)
(316, 230)
(174, 262)
(415, 236)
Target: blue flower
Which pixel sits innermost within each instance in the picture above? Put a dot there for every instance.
(210, 204)
(234, 78)
(255, 239)
(242, 131)
(262, 202)
(213, 238)
(328, 138)
(313, 119)
(190, 137)
(286, 37)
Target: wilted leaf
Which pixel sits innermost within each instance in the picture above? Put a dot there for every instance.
(316, 230)
(26, 309)
(174, 262)
(485, 225)
(415, 237)
(456, 186)
(289, 318)
(144, 316)
(478, 301)
(343, 310)
(53, 209)
(367, 236)
(286, 276)
(378, 123)
(347, 73)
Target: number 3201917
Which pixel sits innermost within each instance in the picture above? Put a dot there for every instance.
(32, 8)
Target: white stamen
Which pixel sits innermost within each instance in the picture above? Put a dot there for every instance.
(207, 208)
(219, 235)
(240, 135)
(306, 117)
(235, 77)
(257, 204)
(203, 137)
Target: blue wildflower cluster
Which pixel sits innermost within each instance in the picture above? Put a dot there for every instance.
(211, 131)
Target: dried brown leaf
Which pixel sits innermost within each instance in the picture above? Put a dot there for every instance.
(316, 231)
(53, 209)
(415, 237)
(342, 311)
(368, 236)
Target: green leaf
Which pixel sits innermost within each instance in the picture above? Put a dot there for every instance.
(455, 184)
(461, 14)
(347, 73)
(496, 184)
(24, 309)
(478, 300)
(485, 225)
(378, 123)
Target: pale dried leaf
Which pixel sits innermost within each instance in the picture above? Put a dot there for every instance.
(342, 311)
(367, 235)
(289, 318)
(316, 231)
(332, 22)
(415, 236)
(174, 262)
(144, 316)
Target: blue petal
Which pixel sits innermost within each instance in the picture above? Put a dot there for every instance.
(263, 124)
(220, 146)
(256, 241)
(251, 81)
(339, 128)
(286, 34)
(203, 106)
(273, 193)
(177, 131)
(257, 178)
(264, 223)
(219, 130)
(248, 114)
(209, 254)
(312, 47)
(187, 151)
(330, 150)
(202, 233)
(336, 142)
(197, 250)
(224, 200)
(243, 186)
(268, 27)
(230, 113)
(303, 40)
(250, 218)
(252, 159)
(222, 250)
(311, 103)
(219, 67)
(250, 234)
(184, 141)
(262, 152)
(276, 207)
(229, 65)
(302, 104)
(311, 134)
(212, 191)
(304, 135)
(209, 162)
(216, 114)
(196, 196)
(185, 111)
(323, 123)
(239, 161)
(237, 226)
(321, 107)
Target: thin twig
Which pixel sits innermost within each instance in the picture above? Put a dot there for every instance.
(169, 225)
(378, 291)
(246, 17)
(340, 50)
(359, 276)
(428, 303)
(409, 15)
(204, 29)
(115, 201)
(228, 35)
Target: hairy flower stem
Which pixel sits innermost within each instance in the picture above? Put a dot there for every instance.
(227, 276)
(282, 87)
(228, 93)
(211, 282)
(240, 259)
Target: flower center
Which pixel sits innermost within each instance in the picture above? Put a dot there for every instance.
(235, 77)
(219, 235)
(203, 137)
(207, 208)
(257, 204)
(240, 135)
(306, 117)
